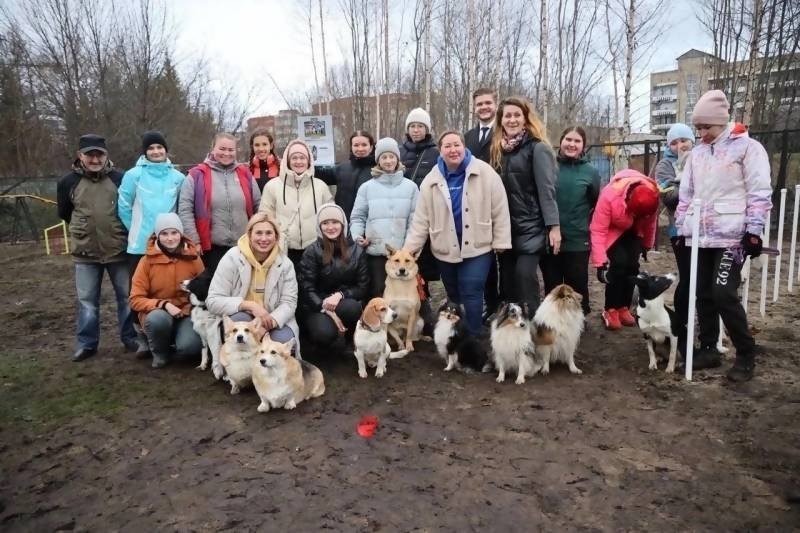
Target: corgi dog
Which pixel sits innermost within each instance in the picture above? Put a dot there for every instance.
(511, 342)
(557, 328)
(280, 379)
(242, 340)
(204, 323)
(658, 323)
(371, 340)
(403, 296)
(459, 349)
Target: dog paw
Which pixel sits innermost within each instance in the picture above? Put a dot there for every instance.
(669, 369)
(409, 346)
(425, 338)
(362, 373)
(201, 367)
(290, 405)
(576, 370)
(448, 368)
(235, 389)
(652, 366)
(520, 380)
(379, 373)
(500, 379)
(545, 370)
(488, 367)
(263, 407)
(218, 371)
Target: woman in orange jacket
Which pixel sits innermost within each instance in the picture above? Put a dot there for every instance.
(156, 292)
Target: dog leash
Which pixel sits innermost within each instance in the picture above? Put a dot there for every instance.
(337, 321)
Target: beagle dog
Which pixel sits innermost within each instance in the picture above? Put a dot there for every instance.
(370, 338)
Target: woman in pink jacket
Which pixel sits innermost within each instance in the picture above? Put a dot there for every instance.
(623, 228)
(729, 172)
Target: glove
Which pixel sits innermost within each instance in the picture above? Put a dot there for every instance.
(679, 241)
(602, 274)
(644, 255)
(752, 245)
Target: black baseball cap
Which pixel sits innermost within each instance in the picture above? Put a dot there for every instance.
(90, 142)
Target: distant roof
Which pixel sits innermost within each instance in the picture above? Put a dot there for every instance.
(694, 52)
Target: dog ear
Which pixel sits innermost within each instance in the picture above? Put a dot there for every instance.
(258, 329)
(227, 324)
(370, 315)
(390, 250)
(416, 254)
(288, 345)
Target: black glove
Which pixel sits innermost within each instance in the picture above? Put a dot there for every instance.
(602, 274)
(752, 245)
(678, 241)
(644, 255)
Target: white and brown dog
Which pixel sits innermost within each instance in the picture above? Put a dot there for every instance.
(371, 340)
(512, 346)
(557, 328)
(242, 340)
(402, 295)
(204, 323)
(280, 379)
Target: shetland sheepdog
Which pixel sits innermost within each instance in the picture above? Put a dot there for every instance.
(557, 328)
(459, 349)
(512, 345)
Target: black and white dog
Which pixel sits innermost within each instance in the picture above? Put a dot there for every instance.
(459, 349)
(204, 323)
(657, 322)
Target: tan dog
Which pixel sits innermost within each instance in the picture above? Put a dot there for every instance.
(370, 338)
(242, 340)
(280, 379)
(402, 295)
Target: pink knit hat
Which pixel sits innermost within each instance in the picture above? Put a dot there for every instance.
(711, 109)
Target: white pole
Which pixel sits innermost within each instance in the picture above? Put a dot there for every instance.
(793, 246)
(746, 288)
(779, 246)
(696, 204)
(762, 307)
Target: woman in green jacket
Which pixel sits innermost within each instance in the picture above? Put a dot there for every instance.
(578, 189)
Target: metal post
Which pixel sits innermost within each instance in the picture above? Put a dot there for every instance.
(793, 246)
(762, 307)
(779, 246)
(696, 204)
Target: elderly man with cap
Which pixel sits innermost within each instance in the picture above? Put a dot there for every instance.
(87, 202)
(164, 309)
(729, 173)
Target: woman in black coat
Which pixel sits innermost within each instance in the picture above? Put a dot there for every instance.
(352, 174)
(334, 280)
(522, 156)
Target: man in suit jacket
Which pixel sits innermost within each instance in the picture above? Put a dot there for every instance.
(478, 141)
(479, 138)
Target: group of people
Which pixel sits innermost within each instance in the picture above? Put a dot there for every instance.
(303, 248)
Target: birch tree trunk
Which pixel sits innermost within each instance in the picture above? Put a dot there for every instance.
(752, 74)
(427, 56)
(324, 61)
(630, 46)
(545, 83)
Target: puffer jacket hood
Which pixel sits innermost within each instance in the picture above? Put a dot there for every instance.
(286, 172)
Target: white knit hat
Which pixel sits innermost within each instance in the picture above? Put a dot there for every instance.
(168, 221)
(387, 144)
(419, 115)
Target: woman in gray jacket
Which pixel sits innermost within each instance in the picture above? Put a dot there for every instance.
(382, 211)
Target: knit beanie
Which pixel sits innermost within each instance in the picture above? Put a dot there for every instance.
(711, 109)
(153, 137)
(419, 115)
(331, 211)
(679, 131)
(387, 144)
(168, 221)
(643, 201)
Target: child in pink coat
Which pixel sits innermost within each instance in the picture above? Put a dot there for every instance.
(623, 228)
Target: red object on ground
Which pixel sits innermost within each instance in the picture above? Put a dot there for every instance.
(367, 426)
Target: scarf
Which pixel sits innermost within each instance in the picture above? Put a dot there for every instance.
(258, 280)
(508, 144)
(179, 252)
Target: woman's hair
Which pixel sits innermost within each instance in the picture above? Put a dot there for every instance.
(331, 248)
(533, 125)
(262, 132)
(450, 132)
(222, 135)
(258, 218)
(361, 133)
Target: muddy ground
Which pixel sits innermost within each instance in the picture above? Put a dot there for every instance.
(110, 444)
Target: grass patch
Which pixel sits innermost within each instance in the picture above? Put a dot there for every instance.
(31, 393)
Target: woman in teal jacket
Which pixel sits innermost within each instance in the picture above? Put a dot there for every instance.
(578, 189)
(148, 189)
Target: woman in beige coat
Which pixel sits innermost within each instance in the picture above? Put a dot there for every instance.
(463, 208)
(294, 198)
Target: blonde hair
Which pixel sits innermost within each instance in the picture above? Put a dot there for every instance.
(223, 135)
(450, 132)
(259, 218)
(533, 125)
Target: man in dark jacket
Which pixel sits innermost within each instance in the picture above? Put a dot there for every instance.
(479, 141)
(87, 202)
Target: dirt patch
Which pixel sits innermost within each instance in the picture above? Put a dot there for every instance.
(110, 444)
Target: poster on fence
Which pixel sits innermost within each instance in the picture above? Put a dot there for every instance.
(317, 132)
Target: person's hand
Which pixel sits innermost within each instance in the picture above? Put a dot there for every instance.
(678, 241)
(752, 244)
(330, 303)
(260, 312)
(602, 274)
(173, 310)
(362, 241)
(555, 239)
(498, 251)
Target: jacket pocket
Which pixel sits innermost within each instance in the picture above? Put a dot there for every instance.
(438, 240)
(482, 235)
(729, 218)
(79, 233)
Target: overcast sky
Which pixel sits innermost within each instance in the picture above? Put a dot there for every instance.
(271, 36)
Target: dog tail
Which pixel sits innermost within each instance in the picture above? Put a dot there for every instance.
(398, 354)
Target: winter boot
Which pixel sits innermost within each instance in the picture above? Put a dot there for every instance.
(706, 357)
(159, 361)
(742, 369)
(611, 319)
(625, 317)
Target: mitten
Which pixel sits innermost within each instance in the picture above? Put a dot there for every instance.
(752, 244)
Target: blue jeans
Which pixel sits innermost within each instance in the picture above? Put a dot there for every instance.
(88, 280)
(165, 331)
(464, 283)
(282, 335)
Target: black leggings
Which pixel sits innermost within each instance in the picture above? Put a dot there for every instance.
(319, 328)
(623, 257)
(212, 257)
(519, 280)
(376, 266)
(571, 268)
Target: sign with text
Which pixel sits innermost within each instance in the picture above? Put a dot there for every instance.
(317, 132)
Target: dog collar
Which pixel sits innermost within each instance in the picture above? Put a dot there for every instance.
(366, 327)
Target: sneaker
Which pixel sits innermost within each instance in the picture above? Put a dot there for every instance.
(611, 319)
(742, 369)
(159, 361)
(625, 317)
(706, 357)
